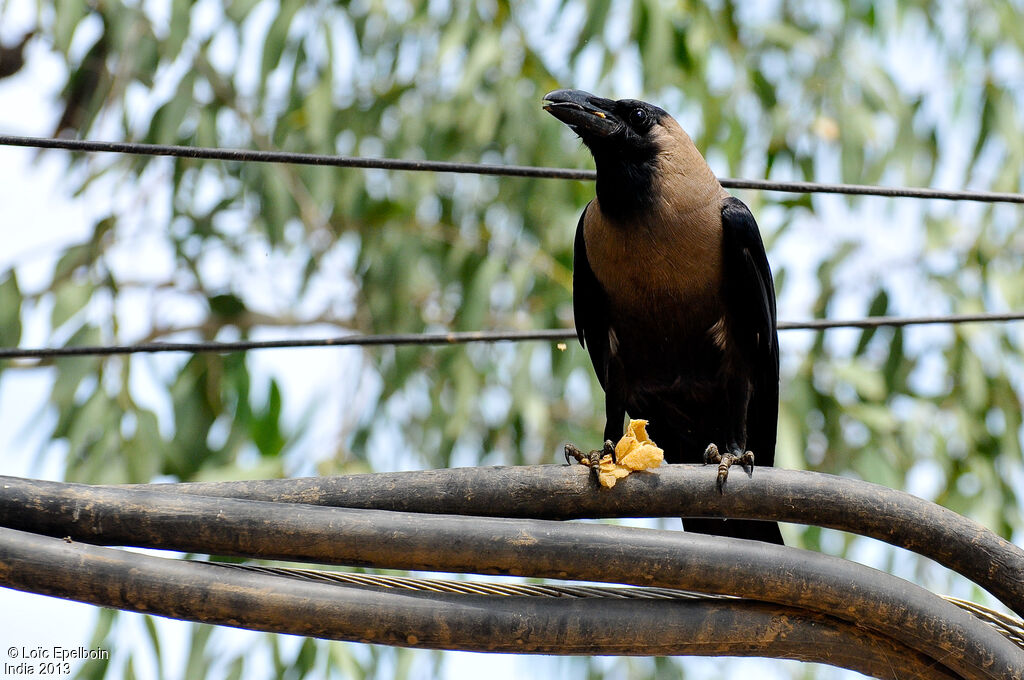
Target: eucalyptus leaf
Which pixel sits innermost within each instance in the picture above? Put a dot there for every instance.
(10, 311)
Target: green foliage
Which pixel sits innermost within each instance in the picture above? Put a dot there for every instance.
(797, 90)
(10, 308)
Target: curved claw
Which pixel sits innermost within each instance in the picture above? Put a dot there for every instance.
(747, 460)
(571, 450)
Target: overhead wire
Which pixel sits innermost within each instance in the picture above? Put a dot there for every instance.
(253, 156)
(455, 337)
(464, 337)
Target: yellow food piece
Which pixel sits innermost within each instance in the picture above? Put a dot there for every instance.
(635, 451)
(608, 472)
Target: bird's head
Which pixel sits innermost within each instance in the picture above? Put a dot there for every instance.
(626, 126)
(636, 146)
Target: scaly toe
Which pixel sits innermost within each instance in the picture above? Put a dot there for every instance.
(726, 462)
(723, 471)
(591, 459)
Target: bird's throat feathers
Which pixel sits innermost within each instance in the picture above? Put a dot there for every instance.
(657, 223)
(667, 173)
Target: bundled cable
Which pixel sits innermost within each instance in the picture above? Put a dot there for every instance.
(810, 589)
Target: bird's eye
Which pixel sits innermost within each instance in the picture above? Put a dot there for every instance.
(637, 117)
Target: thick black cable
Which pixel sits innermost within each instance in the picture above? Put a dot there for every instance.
(458, 337)
(271, 601)
(532, 548)
(569, 492)
(247, 156)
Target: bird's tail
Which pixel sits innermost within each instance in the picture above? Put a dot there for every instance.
(676, 440)
(754, 530)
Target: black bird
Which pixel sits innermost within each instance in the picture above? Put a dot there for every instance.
(673, 296)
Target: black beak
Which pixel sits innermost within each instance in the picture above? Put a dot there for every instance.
(585, 114)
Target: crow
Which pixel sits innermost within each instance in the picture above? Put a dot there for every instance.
(673, 297)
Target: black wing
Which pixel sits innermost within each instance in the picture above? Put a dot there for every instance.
(590, 306)
(593, 327)
(750, 297)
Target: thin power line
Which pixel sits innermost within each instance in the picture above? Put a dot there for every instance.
(247, 156)
(458, 338)
(454, 338)
(899, 321)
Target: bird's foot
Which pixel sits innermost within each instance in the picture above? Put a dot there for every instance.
(726, 460)
(592, 459)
